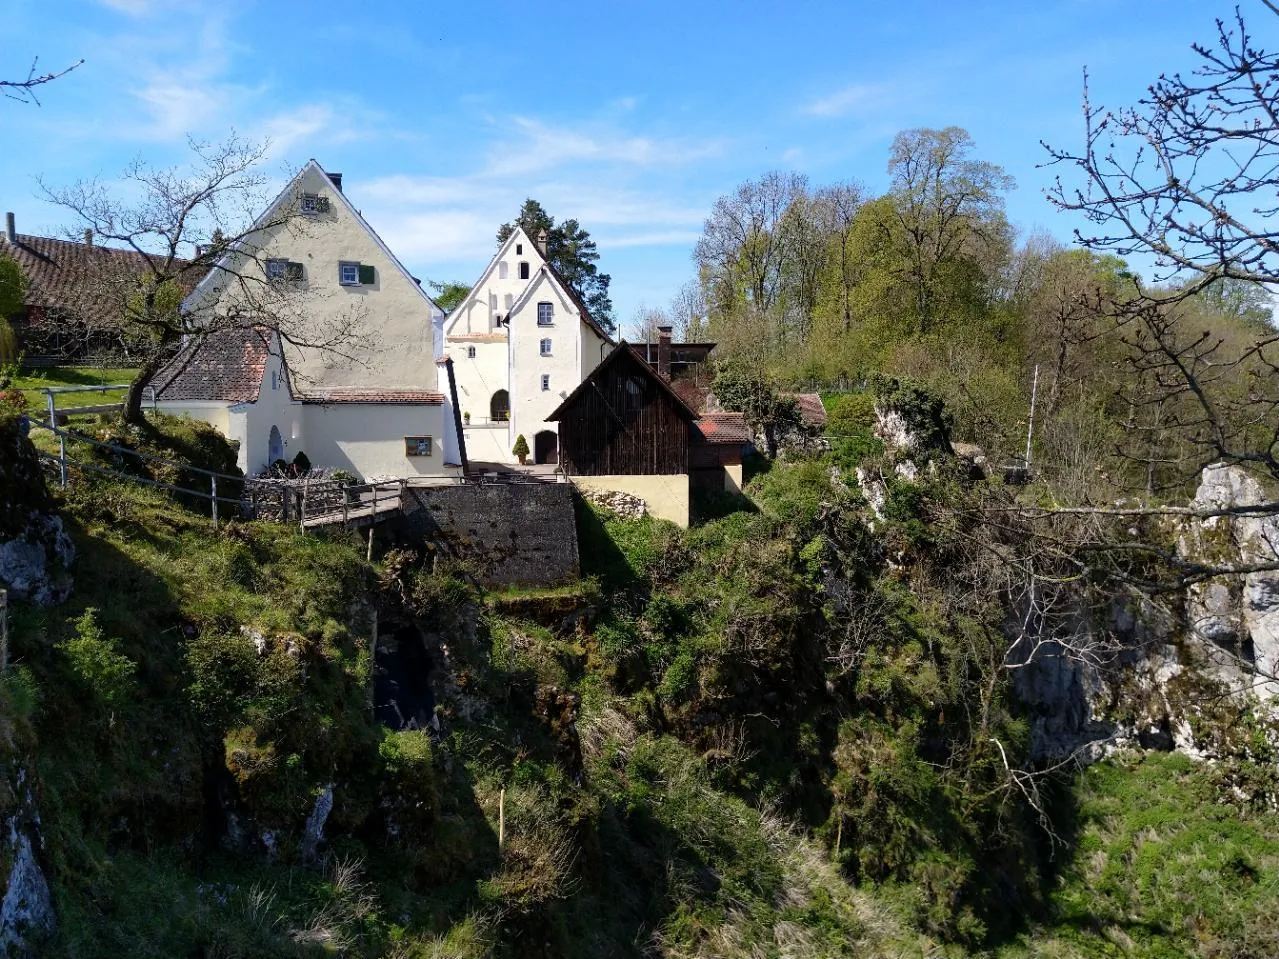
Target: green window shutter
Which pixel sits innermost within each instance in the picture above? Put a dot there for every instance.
(366, 275)
(294, 271)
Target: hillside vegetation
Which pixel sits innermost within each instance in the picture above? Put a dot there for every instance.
(776, 734)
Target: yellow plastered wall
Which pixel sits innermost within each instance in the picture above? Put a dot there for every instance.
(665, 495)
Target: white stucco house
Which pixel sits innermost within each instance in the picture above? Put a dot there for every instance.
(381, 406)
(519, 342)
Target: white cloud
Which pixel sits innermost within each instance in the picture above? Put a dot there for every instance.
(856, 98)
(134, 8)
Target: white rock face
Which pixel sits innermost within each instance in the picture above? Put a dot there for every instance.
(27, 911)
(625, 505)
(313, 833)
(34, 565)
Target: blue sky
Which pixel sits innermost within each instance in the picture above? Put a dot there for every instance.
(632, 117)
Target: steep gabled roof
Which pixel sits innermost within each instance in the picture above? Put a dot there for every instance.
(61, 274)
(811, 409)
(623, 349)
(225, 367)
(571, 294)
(478, 285)
(284, 196)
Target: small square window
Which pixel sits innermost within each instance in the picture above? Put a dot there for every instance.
(313, 203)
(546, 382)
(277, 269)
(417, 446)
(470, 352)
(349, 274)
(545, 314)
(546, 347)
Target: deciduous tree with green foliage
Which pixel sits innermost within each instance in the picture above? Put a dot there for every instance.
(573, 254)
(449, 295)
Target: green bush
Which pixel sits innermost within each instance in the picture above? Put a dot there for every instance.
(97, 660)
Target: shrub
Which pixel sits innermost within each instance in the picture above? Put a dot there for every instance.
(98, 661)
(521, 446)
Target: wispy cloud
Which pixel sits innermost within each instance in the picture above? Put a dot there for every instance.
(134, 8)
(541, 146)
(856, 98)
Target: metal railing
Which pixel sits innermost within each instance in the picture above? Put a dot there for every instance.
(53, 391)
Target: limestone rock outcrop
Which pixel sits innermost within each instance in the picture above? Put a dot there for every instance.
(36, 554)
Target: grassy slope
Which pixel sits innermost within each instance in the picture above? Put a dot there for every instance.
(625, 832)
(33, 383)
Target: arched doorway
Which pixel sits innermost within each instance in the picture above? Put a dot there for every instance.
(275, 447)
(500, 407)
(546, 447)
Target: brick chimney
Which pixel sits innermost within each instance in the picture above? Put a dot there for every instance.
(10, 229)
(664, 352)
(88, 237)
(336, 179)
(541, 242)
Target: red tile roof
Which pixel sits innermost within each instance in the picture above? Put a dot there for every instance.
(226, 366)
(374, 397)
(62, 275)
(722, 428)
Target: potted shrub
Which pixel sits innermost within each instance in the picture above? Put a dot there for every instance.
(466, 418)
(520, 449)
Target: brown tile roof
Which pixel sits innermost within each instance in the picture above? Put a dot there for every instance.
(226, 366)
(374, 397)
(722, 428)
(810, 408)
(61, 274)
(693, 395)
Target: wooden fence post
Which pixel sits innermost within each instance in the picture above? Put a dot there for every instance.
(302, 511)
(284, 504)
(62, 459)
(213, 484)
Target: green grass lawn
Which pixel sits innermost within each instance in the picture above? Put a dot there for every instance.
(34, 382)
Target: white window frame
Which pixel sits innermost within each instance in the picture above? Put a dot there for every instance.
(549, 319)
(544, 346)
(546, 382)
(470, 352)
(343, 266)
(277, 268)
(313, 203)
(419, 446)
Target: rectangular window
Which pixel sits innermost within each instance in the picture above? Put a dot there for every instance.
(417, 446)
(313, 203)
(519, 248)
(277, 269)
(470, 352)
(523, 271)
(502, 270)
(546, 382)
(545, 314)
(546, 347)
(349, 274)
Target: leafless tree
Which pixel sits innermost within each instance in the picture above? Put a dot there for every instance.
(25, 90)
(181, 226)
(743, 248)
(1190, 174)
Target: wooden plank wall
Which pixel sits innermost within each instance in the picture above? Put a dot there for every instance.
(604, 434)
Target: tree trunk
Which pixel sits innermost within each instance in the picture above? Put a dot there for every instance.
(132, 412)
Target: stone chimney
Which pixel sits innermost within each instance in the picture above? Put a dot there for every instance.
(541, 242)
(88, 237)
(664, 352)
(10, 229)
(336, 178)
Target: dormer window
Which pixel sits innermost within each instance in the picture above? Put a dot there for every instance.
(545, 314)
(314, 203)
(523, 271)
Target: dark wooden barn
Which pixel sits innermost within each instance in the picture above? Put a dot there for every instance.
(623, 419)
